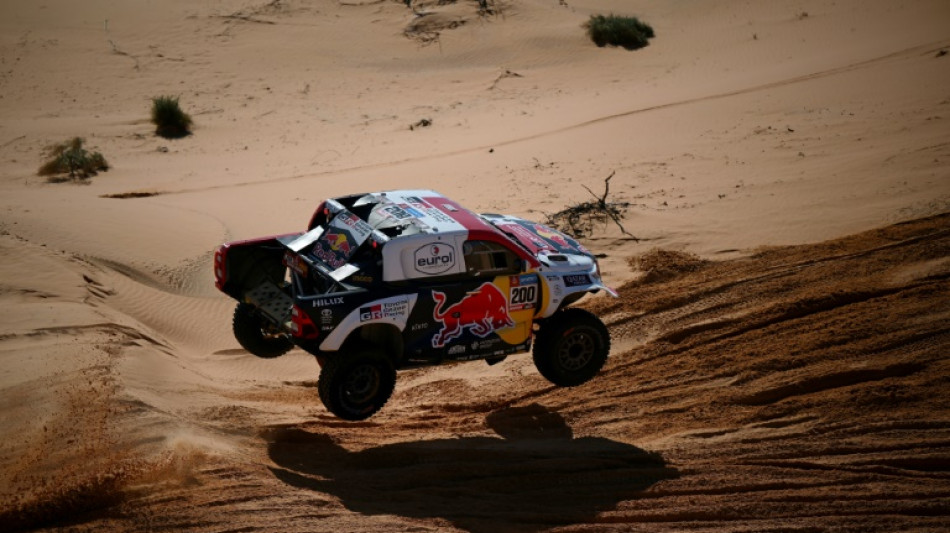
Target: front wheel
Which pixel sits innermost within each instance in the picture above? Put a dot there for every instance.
(257, 335)
(354, 387)
(571, 347)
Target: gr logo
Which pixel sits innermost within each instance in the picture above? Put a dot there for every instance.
(434, 258)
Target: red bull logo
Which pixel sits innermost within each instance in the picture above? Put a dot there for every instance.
(551, 235)
(482, 311)
(339, 243)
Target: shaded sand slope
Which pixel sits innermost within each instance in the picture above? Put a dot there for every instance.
(801, 387)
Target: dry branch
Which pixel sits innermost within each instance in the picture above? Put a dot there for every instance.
(580, 219)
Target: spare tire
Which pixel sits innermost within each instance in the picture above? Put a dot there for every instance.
(257, 334)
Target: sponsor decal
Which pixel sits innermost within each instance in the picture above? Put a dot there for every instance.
(343, 236)
(373, 312)
(457, 349)
(328, 257)
(555, 283)
(333, 248)
(434, 258)
(295, 263)
(324, 302)
(339, 243)
(362, 278)
(360, 228)
(326, 319)
(411, 210)
(385, 310)
(523, 293)
(420, 327)
(417, 202)
(396, 212)
(551, 235)
(439, 216)
(525, 235)
(483, 344)
(422, 209)
(523, 279)
(575, 280)
(482, 311)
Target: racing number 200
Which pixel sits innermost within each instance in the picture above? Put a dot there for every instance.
(523, 295)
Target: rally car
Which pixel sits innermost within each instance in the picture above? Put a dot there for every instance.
(386, 281)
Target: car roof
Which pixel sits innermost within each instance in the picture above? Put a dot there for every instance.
(410, 215)
(420, 211)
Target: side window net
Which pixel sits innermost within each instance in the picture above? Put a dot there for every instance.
(489, 258)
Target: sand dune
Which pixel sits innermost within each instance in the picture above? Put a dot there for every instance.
(779, 346)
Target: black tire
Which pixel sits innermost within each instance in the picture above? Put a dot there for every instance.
(257, 335)
(571, 347)
(355, 386)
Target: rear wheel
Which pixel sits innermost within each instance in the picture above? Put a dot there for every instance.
(354, 387)
(257, 334)
(571, 347)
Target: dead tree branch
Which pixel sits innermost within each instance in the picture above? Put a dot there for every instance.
(579, 220)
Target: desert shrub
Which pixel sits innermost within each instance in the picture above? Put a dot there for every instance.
(71, 158)
(628, 32)
(170, 121)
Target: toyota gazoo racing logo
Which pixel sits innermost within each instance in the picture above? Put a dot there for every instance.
(373, 312)
(434, 258)
(482, 311)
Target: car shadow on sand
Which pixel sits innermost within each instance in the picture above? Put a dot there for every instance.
(534, 476)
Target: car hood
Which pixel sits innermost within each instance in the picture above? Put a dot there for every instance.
(539, 239)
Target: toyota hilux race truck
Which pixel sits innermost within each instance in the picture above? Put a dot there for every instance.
(393, 280)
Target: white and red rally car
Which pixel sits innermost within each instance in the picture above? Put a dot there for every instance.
(392, 280)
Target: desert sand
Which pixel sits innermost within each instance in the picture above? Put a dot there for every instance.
(780, 345)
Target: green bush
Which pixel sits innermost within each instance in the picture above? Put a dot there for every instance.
(170, 121)
(70, 157)
(628, 32)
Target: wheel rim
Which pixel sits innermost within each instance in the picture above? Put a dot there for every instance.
(272, 334)
(361, 385)
(576, 350)
(270, 331)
